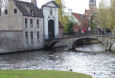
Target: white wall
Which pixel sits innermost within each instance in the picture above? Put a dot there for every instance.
(47, 17)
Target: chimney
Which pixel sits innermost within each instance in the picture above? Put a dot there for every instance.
(70, 12)
(34, 2)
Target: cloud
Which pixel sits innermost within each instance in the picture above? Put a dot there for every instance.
(78, 6)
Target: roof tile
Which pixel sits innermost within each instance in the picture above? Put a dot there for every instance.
(27, 7)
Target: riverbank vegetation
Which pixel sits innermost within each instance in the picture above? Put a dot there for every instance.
(106, 15)
(40, 74)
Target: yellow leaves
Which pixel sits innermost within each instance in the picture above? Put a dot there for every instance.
(106, 15)
(59, 2)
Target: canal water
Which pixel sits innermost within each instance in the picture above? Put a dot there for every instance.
(97, 64)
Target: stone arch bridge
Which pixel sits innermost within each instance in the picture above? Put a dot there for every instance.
(71, 43)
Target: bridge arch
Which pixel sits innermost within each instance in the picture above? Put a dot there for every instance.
(112, 47)
(52, 43)
(85, 41)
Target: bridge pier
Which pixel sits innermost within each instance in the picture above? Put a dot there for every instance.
(107, 42)
(113, 47)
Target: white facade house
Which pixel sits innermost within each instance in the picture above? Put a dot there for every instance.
(51, 27)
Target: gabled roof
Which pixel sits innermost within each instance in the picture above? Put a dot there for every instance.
(47, 4)
(82, 19)
(26, 8)
(78, 16)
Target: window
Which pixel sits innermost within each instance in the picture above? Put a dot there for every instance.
(15, 10)
(38, 36)
(37, 23)
(31, 12)
(26, 22)
(31, 23)
(31, 35)
(50, 12)
(0, 11)
(26, 36)
(6, 11)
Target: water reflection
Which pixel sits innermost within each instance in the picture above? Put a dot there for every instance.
(89, 48)
(98, 64)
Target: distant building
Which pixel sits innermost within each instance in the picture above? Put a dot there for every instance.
(91, 14)
(79, 20)
(92, 4)
(92, 8)
(23, 26)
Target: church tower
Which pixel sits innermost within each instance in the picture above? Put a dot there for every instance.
(92, 4)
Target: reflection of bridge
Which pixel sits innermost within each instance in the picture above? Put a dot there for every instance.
(72, 42)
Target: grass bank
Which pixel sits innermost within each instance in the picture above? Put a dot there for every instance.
(40, 74)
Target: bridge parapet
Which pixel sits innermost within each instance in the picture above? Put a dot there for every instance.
(107, 41)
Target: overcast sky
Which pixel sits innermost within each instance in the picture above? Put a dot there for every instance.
(77, 6)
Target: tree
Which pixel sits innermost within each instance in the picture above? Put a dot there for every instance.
(70, 28)
(106, 15)
(59, 2)
(65, 23)
(112, 15)
(101, 17)
(63, 18)
(92, 22)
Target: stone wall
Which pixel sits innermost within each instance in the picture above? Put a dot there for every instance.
(11, 20)
(108, 42)
(12, 31)
(11, 41)
(61, 32)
